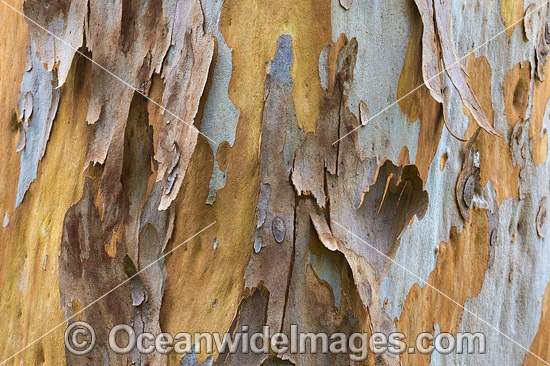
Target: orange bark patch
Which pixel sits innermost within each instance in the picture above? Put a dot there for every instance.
(511, 12)
(495, 158)
(516, 92)
(541, 94)
(404, 158)
(459, 274)
(480, 80)
(542, 339)
(443, 161)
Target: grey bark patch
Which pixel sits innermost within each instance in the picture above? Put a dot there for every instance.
(309, 168)
(38, 101)
(324, 66)
(190, 359)
(278, 228)
(528, 21)
(327, 270)
(453, 67)
(280, 67)
(218, 106)
(265, 196)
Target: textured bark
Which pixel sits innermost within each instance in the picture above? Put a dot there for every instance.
(309, 135)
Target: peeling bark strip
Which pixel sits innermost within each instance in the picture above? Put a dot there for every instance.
(87, 271)
(185, 70)
(437, 13)
(143, 33)
(98, 180)
(380, 212)
(431, 59)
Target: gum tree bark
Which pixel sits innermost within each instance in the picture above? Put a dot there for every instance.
(343, 166)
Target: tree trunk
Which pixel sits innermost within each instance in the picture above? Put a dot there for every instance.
(222, 165)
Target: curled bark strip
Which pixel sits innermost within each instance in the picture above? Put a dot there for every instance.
(454, 68)
(437, 45)
(362, 270)
(430, 50)
(185, 70)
